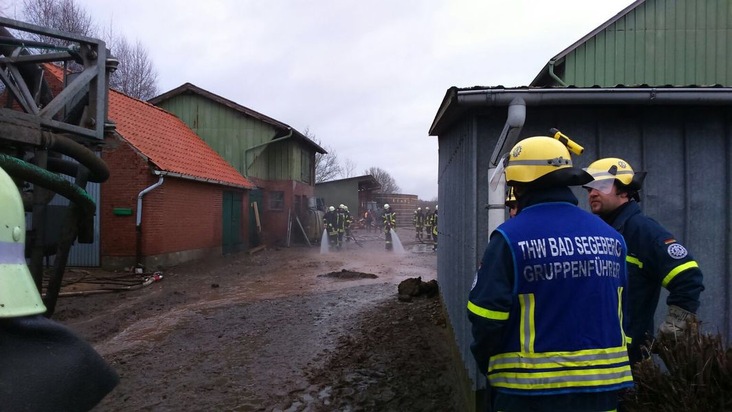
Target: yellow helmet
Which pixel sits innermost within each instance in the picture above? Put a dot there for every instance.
(606, 171)
(18, 293)
(542, 161)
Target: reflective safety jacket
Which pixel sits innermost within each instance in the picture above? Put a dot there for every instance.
(655, 259)
(547, 308)
(389, 220)
(418, 219)
(330, 221)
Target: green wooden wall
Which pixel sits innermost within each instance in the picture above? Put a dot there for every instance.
(240, 139)
(658, 43)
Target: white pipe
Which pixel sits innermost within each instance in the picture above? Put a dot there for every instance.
(138, 221)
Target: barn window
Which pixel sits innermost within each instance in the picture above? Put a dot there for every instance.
(276, 200)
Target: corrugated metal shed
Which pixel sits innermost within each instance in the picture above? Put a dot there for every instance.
(681, 137)
(651, 42)
(347, 191)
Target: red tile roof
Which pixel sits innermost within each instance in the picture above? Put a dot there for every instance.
(169, 143)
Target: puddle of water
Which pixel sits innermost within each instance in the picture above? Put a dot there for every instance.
(324, 242)
(396, 242)
(422, 248)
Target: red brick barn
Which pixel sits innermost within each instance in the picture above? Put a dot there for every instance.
(277, 158)
(170, 197)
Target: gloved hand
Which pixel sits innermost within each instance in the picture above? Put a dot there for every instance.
(677, 320)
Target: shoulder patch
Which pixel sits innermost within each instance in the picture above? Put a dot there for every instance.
(677, 251)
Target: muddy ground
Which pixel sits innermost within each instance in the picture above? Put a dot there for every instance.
(282, 329)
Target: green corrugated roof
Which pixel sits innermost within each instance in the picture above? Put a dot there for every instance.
(651, 42)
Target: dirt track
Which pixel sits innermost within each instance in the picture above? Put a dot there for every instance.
(289, 329)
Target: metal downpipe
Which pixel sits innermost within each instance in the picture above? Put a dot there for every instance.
(246, 152)
(138, 218)
(554, 75)
(509, 135)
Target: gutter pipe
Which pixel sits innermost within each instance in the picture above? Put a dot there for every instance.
(279, 139)
(554, 75)
(138, 220)
(509, 135)
(651, 96)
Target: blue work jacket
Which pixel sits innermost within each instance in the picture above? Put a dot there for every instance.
(655, 260)
(547, 302)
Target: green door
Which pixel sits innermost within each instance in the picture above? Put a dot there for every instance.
(232, 241)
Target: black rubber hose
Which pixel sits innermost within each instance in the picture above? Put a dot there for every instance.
(99, 172)
(20, 169)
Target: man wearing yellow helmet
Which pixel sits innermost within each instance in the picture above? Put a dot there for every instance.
(546, 302)
(655, 258)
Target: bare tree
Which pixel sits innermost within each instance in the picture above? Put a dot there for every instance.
(388, 184)
(63, 15)
(348, 168)
(326, 165)
(135, 75)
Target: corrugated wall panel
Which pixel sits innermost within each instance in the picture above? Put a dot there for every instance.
(457, 181)
(686, 151)
(82, 254)
(658, 43)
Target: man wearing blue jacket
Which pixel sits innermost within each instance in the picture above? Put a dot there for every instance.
(656, 259)
(546, 305)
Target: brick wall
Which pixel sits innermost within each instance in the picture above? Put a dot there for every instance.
(274, 222)
(181, 215)
(181, 219)
(129, 175)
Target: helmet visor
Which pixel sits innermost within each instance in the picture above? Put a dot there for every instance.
(603, 185)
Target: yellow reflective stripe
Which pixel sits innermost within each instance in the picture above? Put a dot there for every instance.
(678, 269)
(635, 261)
(528, 328)
(487, 313)
(552, 360)
(562, 379)
(620, 314)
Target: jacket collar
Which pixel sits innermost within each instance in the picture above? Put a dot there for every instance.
(546, 195)
(619, 216)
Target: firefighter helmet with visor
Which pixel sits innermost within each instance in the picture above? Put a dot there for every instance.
(607, 171)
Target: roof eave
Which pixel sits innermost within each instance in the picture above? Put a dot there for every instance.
(184, 176)
(460, 101)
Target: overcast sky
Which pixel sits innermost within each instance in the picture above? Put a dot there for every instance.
(365, 77)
